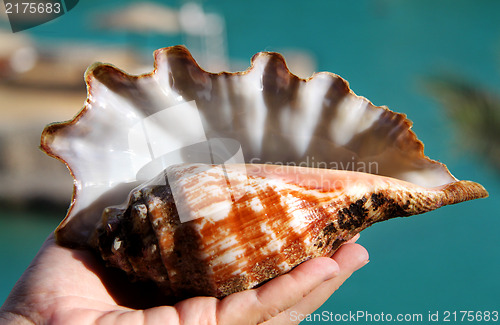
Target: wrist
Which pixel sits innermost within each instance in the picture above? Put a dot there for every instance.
(11, 318)
(15, 313)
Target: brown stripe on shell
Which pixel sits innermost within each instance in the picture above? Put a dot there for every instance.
(336, 92)
(279, 90)
(124, 85)
(256, 262)
(294, 220)
(179, 245)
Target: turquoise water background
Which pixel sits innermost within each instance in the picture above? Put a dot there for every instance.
(445, 260)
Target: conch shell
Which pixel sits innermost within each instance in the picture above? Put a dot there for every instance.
(234, 178)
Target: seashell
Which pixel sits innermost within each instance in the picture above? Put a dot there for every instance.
(231, 179)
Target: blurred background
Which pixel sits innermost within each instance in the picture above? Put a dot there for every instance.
(436, 61)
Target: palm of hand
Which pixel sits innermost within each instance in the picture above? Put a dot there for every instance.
(64, 286)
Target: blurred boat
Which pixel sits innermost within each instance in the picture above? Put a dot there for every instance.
(203, 32)
(37, 86)
(142, 17)
(43, 82)
(17, 54)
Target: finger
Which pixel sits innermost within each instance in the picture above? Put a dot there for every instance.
(117, 316)
(258, 305)
(350, 257)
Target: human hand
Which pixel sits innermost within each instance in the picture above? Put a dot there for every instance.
(67, 286)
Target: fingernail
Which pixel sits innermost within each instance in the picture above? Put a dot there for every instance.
(363, 263)
(355, 238)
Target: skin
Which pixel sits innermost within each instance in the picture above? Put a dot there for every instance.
(67, 286)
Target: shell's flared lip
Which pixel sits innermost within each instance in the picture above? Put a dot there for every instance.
(275, 116)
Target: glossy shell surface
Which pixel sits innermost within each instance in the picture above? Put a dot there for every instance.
(316, 133)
